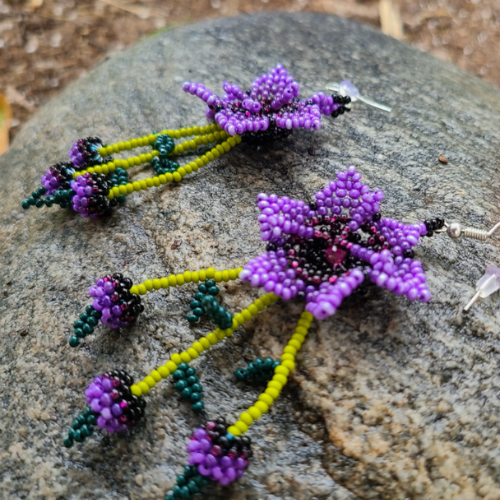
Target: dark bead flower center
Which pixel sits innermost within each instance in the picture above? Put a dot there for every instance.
(326, 255)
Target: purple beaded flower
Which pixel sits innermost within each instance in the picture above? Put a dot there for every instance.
(90, 195)
(110, 398)
(324, 251)
(85, 152)
(217, 456)
(113, 299)
(271, 105)
(58, 176)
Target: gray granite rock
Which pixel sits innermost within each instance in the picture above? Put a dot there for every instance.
(391, 399)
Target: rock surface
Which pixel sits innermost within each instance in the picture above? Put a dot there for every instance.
(390, 400)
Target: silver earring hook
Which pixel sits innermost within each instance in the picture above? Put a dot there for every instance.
(455, 230)
(346, 88)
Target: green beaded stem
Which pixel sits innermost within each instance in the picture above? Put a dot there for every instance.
(205, 303)
(189, 386)
(82, 428)
(188, 484)
(260, 371)
(84, 325)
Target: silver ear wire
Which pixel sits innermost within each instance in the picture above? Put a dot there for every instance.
(346, 88)
(455, 230)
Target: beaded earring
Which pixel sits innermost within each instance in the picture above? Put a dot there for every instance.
(92, 183)
(319, 252)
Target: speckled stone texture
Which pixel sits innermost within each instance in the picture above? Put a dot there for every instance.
(390, 400)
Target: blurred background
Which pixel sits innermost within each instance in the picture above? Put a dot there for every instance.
(46, 44)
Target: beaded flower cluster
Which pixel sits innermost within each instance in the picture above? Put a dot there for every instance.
(318, 252)
(323, 251)
(93, 182)
(270, 109)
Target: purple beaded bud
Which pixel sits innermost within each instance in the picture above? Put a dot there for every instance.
(112, 297)
(117, 408)
(85, 153)
(218, 455)
(90, 198)
(57, 177)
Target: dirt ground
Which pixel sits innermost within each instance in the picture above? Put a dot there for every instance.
(46, 44)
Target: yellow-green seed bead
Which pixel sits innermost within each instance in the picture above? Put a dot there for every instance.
(217, 276)
(143, 386)
(240, 319)
(185, 357)
(134, 290)
(149, 285)
(246, 314)
(254, 412)
(234, 430)
(198, 347)
(170, 366)
(295, 343)
(241, 426)
(172, 280)
(187, 276)
(283, 370)
(298, 337)
(259, 304)
(212, 338)
(192, 352)
(246, 418)
(156, 284)
(289, 364)
(262, 404)
(163, 371)
(210, 273)
(290, 349)
(225, 275)
(195, 277)
(180, 279)
(135, 390)
(203, 275)
(252, 308)
(205, 342)
(301, 329)
(150, 381)
(274, 393)
(176, 358)
(156, 375)
(142, 289)
(164, 283)
(288, 356)
(279, 377)
(274, 384)
(163, 179)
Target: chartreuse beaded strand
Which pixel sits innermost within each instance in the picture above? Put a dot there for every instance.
(178, 175)
(203, 344)
(279, 380)
(186, 277)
